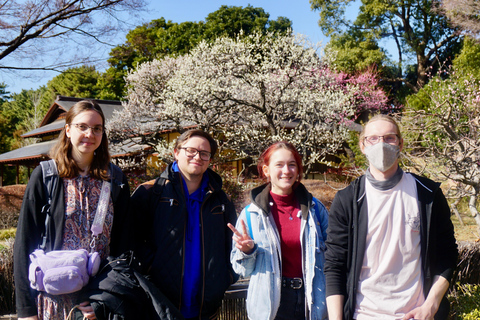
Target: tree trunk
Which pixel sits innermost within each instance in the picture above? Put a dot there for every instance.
(455, 210)
(349, 152)
(473, 208)
(422, 67)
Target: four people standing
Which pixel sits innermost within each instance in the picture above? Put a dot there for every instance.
(390, 259)
(281, 243)
(391, 249)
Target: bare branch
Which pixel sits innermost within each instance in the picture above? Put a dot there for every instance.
(444, 135)
(27, 28)
(464, 14)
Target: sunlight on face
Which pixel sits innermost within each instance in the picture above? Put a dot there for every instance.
(282, 171)
(191, 166)
(85, 143)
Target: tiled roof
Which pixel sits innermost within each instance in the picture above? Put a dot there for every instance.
(37, 150)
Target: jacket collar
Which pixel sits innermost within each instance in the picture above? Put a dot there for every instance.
(261, 198)
(423, 185)
(215, 181)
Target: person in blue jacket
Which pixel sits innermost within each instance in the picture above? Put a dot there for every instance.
(282, 243)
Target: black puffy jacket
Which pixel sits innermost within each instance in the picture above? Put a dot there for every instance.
(162, 215)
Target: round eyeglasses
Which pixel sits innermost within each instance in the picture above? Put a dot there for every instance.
(192, 152)
(388, 138)
(96, 130)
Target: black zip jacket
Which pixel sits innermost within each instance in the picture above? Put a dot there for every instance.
(347, 231)
(31, 225)
(160, 235)
(120, 292)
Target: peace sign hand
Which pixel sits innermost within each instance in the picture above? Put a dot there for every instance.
(242, 241)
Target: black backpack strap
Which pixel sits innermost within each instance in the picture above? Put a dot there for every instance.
(156, 193)
(116, 176)
(50, 180)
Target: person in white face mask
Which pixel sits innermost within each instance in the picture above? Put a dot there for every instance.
(391, 249)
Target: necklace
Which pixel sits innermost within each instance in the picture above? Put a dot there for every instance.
(284, 211)
(84, 171)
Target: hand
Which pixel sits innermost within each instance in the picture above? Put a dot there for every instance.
(432, 302)
(87, 310)
(29, 318)
(242, 241)
(420, 313)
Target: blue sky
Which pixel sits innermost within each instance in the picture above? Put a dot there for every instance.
(304, 21)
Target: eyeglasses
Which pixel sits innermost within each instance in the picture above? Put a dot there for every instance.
(192, 152)
(96, 130)
(388, 138)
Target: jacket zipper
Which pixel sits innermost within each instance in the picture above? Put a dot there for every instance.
(207, 196)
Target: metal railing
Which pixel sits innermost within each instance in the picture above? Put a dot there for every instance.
(234, 303)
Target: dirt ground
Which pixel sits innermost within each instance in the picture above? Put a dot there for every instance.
(11, 197)
(323, 191)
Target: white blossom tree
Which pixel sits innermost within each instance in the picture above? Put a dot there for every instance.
(463, 14)
(248, 92)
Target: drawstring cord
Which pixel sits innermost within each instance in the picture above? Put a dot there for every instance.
(71, 313)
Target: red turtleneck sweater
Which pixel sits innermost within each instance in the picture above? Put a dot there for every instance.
(285, 210)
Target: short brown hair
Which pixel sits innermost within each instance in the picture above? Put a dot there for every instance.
(183, 138)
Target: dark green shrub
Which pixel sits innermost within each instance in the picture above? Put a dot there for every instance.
(465, 302)
(134, 180)
(7, 300)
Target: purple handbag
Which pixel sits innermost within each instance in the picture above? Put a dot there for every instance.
(66, 271)
(62, 271)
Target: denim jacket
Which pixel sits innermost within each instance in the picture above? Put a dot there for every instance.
(263, 265)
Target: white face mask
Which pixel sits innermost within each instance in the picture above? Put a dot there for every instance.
(382, 155)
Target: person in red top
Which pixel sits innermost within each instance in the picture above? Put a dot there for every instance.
(281, 246)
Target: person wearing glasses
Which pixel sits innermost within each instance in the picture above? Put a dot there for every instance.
(83, 164)
(390, 243)
(182, 236)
